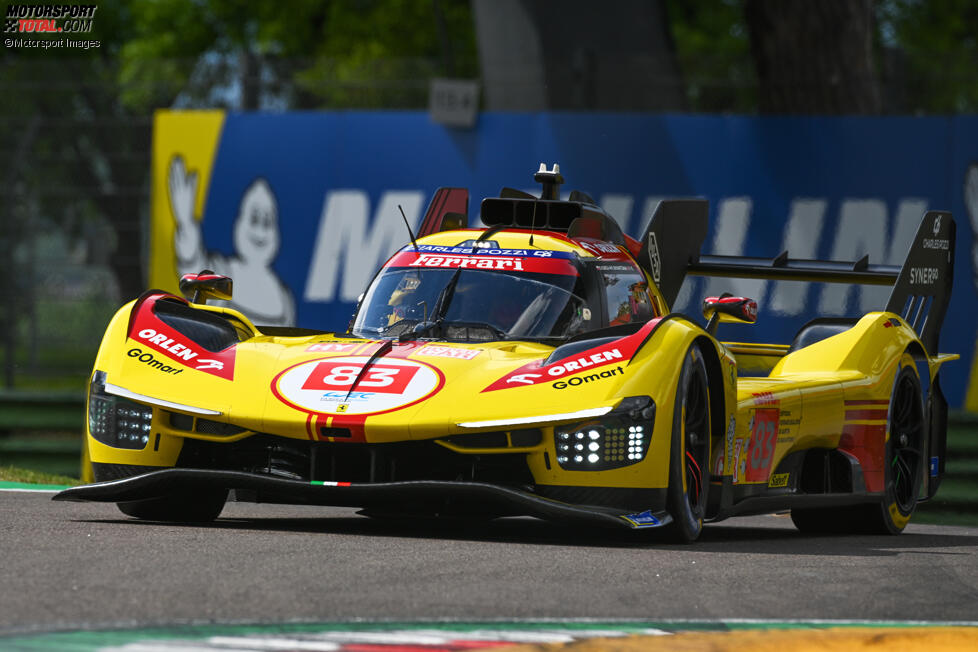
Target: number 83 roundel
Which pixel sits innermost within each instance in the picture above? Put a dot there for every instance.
(322, 386)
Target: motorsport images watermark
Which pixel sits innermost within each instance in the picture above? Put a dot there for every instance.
(28, 21)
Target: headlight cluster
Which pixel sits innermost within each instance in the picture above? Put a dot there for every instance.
(115, 421)
(619, 438)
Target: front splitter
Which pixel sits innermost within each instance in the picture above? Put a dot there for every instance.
(157, 484)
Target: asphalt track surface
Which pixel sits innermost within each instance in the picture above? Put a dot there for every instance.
(80, 565)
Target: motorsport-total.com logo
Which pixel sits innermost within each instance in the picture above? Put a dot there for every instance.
(42, 20)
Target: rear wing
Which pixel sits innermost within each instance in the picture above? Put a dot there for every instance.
(921, 286)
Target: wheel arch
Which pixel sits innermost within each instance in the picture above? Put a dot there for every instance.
(718, 393)
(935, 417)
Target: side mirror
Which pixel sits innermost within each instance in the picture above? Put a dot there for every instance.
(206, 285)
(728, 308)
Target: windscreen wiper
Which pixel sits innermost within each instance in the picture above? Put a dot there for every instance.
(382, 350)
(437, 313)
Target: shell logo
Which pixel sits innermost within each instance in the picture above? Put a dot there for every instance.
(326, 386)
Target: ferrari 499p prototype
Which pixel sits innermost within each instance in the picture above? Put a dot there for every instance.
(533, 366)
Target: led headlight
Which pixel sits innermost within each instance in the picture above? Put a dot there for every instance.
(115, 421)
(619, 438)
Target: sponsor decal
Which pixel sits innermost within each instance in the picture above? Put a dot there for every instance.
(342, 397)
(763, 439)
(937, 225)
(764, 398)
(563, 368)
(604, 250)
(924, 275)
(465, 249)
(583, 362)
(779, 480)
(738, 470)
(600, 247)
(333, 347)
(731, 427)
(935, 465)
(542, 262)
(168, 344)
(475, 262)
(524, 379)
(186, 353)
(535, 372)
(655, 263)
(147, 329)
(438, 351)
(937, 243)
(150, 360)
(643, 519)
(581, 380)
(341, 386)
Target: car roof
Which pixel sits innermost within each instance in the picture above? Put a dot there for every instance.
(514, 238)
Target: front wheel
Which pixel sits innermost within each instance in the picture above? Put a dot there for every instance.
(188, 506)
(689, 470)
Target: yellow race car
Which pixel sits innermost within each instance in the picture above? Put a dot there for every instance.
(533, 367)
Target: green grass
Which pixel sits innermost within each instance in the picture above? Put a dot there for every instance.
(15, 474)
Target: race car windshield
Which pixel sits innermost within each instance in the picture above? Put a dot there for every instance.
(485, 305)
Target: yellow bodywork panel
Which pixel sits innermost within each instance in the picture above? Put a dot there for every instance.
(768, 401)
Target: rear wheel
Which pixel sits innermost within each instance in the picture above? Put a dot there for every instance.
(904, 454)
(689, 471)
(903, 462)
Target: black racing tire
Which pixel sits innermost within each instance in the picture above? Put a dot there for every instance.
(689, 454)
(905, 465)
(903, 469)
(192, 505)
(839, 520)
(189, 506)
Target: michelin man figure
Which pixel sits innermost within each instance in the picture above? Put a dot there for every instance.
(258, 291)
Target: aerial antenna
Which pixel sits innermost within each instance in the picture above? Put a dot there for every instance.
(533, 220)
(410, 232)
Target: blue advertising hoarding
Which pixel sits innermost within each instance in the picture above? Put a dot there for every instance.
(301, 208)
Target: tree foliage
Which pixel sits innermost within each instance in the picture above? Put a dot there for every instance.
(305, 54)
(931, 52)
